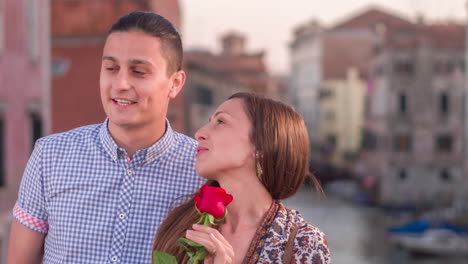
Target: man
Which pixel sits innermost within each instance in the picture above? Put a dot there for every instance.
(97, 194)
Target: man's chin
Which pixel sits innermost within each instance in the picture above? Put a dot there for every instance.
(122, 123)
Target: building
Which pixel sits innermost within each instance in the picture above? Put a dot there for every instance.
(24, 94)
(328, 77)
(346, 52)
(306, 75)
(212, 78)
(341, 104)
(79, 30)
(414, 119)
(404, 91)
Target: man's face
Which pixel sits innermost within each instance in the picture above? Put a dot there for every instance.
(134, 83)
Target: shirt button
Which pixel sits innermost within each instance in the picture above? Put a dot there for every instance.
(122, 216)
(114, 157)
(114, 259)
(129, 172)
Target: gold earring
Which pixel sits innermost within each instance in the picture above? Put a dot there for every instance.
(259, 170)
(258, 166)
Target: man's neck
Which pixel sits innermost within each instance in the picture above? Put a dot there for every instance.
(133, 139)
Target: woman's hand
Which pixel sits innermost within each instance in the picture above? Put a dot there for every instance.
(220, 251)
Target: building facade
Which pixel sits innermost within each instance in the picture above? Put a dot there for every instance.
(24, 95)
(212, 78)
(414, 123)
(306, 75)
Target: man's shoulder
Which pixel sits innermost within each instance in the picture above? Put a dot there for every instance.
(79, 134)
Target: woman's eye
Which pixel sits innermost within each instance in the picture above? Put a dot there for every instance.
(138, 72)
(219, 121)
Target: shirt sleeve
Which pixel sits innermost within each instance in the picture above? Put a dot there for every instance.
(29, 209)
(311, 246)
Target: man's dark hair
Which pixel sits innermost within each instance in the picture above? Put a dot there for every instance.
(159, 27)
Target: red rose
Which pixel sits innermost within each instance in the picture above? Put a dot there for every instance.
(212, 200)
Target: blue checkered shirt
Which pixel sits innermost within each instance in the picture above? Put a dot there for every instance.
(94, 204)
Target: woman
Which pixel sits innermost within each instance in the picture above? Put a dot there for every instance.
(258, 150)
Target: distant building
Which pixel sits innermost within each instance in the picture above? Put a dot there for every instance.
(414, 119)
(405, 90)
(329, 69)
(24, 95)
(306, 75)
(346, 53)
(341, 104)
(25, 92)
(205, 91)
(79, 30)
(212, 78)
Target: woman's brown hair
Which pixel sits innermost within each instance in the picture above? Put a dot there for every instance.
(281, 140)
(282, 144)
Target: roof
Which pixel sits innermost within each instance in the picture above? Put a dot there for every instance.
(246, 69)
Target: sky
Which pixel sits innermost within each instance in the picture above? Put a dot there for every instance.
(269, 24)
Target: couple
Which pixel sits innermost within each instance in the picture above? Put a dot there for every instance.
(100, 193)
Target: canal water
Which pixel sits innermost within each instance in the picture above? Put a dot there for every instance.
(356, 233)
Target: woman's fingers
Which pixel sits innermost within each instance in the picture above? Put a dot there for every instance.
(222, 253)
(214, 232)
(220, 250)
(200, 238)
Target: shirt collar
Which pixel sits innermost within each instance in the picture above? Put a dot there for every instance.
(149, 154)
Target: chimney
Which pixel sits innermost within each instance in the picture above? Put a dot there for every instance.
(233, 44)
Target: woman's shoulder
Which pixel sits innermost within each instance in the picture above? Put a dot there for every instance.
(310, 243)
(311, 246)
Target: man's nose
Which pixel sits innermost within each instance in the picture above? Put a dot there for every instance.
(122, 81)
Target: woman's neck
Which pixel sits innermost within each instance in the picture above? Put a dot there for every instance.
(250, 204)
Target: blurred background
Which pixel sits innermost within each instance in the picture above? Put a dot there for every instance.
(381, 86)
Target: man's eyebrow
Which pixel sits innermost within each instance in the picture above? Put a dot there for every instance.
(132, 61)
(109, 58)
(137, 61)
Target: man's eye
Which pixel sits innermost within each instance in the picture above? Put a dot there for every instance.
(110, 68)
(138, 72)
(220, 121)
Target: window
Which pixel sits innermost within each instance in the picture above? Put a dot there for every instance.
(204, 95)
(331, 140)
(402, 103)
(445, 66)
(404, 67)
(445, 175)
(402, 174)
(59, 67)
(369, 140)
(444, 103)
(325, 93)
(36, 127)
(33, 27)
(402, 143)
(2, 151)
(444, 143)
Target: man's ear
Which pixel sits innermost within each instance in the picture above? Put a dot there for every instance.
(178, 81)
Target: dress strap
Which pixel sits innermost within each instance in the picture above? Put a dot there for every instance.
(288, 251)
(253, 253)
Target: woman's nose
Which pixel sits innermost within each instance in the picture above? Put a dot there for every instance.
(200, 134)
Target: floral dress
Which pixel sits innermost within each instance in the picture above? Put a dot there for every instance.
(268, 245)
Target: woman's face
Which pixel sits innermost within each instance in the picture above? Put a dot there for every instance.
(224, 143)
